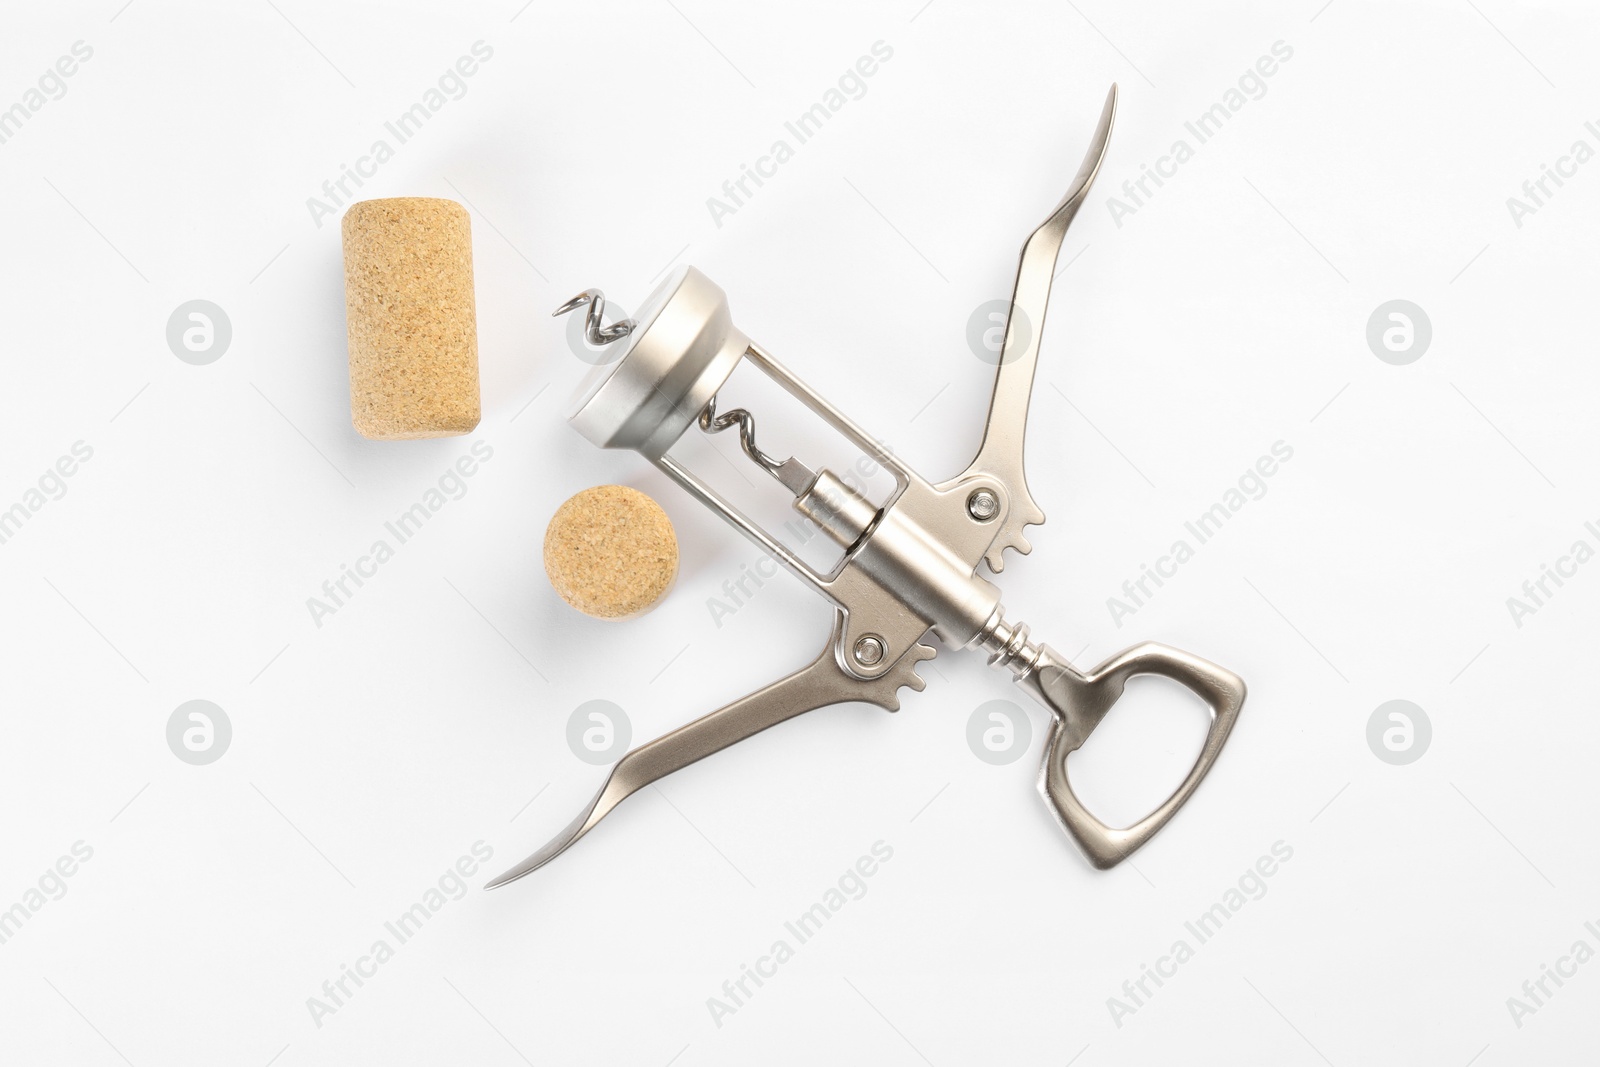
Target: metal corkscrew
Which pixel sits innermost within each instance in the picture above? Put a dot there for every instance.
(593, 331)
(909, 566)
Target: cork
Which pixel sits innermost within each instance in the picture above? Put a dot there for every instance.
(412, 318)
(610, 552)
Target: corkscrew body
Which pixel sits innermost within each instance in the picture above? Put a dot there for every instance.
(909, 566)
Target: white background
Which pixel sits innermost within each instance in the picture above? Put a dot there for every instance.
(1227, 314)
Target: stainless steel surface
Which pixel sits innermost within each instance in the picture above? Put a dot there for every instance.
(869, 650)
(592, 328)
(909, 566)
(672, 364)
(791, 473)
(1080, 701)
(983, 504)
(711, 422)
(817, 685)
(999, 457)
(841, 512)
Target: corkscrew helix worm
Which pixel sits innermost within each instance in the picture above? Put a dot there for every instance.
(593, 331)
(711, 422)
(909, 565)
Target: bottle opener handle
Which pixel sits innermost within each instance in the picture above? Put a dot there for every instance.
(1079, 703)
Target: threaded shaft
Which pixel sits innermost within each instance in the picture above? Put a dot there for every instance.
(1008, 645)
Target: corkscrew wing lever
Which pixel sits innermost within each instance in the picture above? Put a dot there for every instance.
(817, 685)
(1000, 457)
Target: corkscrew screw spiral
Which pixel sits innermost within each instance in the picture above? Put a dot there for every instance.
(711, 422)
(594, 331)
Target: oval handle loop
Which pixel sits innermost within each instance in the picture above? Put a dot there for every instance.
(1081, 701)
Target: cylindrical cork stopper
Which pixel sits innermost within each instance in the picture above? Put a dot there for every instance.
(412, 318)
(610, 552)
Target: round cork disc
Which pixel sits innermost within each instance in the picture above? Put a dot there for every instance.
(610, 552)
